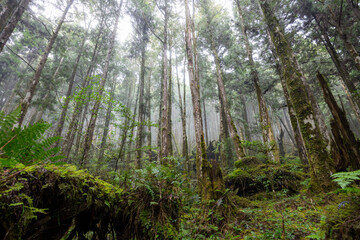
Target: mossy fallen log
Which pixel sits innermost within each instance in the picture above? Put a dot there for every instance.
(52, 202)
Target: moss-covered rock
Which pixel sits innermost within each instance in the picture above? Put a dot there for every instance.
(265, 177)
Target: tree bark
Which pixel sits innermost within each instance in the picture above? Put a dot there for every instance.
(141, 114)
(169, 113)
(164, 128)
(73, 125)
(65, 107)
(7, 12)
(25, 102)
(265, 122)
(95, 110)
(10, 26)
(231, 126)
(210, 184)
(205, 124)
(347, 84)
(321, 165)
(183, 120)
(348, 146)
(107, 121)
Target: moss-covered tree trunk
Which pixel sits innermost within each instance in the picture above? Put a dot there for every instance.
(347, 144)
(294, 122)
(321, 164)
(265, 122)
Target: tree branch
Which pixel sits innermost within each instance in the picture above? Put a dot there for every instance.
(27, 63)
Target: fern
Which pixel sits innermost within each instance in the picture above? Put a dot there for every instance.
(344, 179)
(25, 145)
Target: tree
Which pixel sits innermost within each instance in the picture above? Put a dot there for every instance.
(321, 165)
(25, 102)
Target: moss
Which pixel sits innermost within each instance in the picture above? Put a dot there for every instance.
(249, 161)
(265, 178)
(47, 202)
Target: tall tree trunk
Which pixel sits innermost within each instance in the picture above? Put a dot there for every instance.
(265, 122)
(25, 102)
(95, 110)
(344, 138)
(231, 126)
(183, 118)
(345, 38)
(321, 165)
(124, 134)
(107, 121)
(245, 119)
(10, 26)
(148, 106)
(164, 149)
(65, 107)
(141, 114)
(73, 125)
(130, 143)
(347, 84)
(169, 113)
(209, 178)
(205, 124)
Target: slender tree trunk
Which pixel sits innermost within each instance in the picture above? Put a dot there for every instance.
(107, 121)
(130, 144)
(321, 165)
(231, 126)
(164, 150)
(265, 122)
(245, 119)
(344, 138)
(73, 125)
(65, 107)
(124, 134)
(169, 113)
(149, 111)
(25, 102)
(347, 84)
(183, 121)
(10, 26)
(209, 178)
(205, 123)
(345, 38)
(141, 114)
(95, 110)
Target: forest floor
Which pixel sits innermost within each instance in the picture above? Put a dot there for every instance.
(158, 202)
